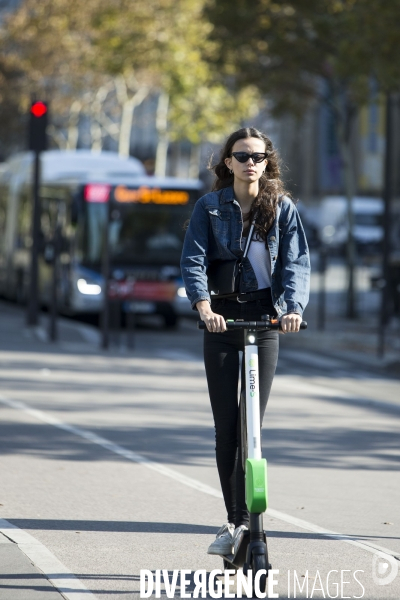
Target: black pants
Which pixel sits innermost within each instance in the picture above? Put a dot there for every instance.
(221, 358)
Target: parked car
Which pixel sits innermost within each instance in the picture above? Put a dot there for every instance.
(367, 223)
(307, 215)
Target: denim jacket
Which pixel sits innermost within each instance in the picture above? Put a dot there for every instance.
(215, 232)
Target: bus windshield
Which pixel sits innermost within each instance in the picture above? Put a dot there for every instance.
(139, 234)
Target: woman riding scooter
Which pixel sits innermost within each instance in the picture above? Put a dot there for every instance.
(274, 280)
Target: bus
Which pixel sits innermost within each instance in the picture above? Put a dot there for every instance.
(80, 193)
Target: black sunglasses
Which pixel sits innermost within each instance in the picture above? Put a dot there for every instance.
(243, 157)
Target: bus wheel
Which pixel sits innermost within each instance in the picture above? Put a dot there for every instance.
(20, 295)
(170, 320)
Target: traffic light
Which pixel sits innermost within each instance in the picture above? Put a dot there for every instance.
(37, 126)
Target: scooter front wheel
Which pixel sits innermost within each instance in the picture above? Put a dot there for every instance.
(259, 563)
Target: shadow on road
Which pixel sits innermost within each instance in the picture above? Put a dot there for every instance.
(327, 447)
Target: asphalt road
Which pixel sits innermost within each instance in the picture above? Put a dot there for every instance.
(107, 466)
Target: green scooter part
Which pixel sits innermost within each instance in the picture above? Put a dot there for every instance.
(256, 485)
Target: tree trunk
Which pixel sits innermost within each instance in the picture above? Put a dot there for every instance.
(96, 129)
(345, 119)
(194, 165)
(386, 294)
(127, 120)
(73, 125)
(125, 129)
(162, 130)
(348, 169)
(96, 135)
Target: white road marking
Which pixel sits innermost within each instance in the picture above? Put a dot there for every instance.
(62, 579)
(374, 548)
(188, 481)
(111, 446)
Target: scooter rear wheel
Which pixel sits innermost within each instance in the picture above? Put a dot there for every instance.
(228, 566)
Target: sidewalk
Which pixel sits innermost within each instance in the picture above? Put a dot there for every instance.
(342, 339)
(19, 578)
(353, 341)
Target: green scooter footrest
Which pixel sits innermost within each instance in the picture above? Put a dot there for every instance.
(256, 485)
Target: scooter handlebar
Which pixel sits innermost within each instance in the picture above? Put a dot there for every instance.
(259, 325)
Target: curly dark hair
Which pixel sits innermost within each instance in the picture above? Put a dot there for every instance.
(271, 187)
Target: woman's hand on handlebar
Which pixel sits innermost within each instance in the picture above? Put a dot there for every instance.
(214, 323)
(290, 323)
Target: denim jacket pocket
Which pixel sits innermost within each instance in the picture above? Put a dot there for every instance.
(220, 221)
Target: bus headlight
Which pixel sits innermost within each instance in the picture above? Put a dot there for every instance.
(89, 289)
(181, 292)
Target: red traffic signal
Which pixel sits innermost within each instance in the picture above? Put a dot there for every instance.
(38, 109)
(38, 114)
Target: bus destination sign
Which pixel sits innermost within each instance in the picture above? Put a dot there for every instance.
(147, 195)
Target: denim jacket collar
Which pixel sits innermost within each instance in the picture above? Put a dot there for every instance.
(227, 195)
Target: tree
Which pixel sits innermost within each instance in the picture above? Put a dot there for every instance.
(194, 104)
(42, 47)
(49, 50)
(90, 58)
(10, 114)
(287, 49)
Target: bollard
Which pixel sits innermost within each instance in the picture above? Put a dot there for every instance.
(53, 308)
(105, 316)
(321, 312)
(130, 323)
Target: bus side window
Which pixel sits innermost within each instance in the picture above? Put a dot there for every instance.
(75, 209)
(24, 237)
(46, 225)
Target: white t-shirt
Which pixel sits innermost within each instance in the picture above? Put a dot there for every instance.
(260, 260)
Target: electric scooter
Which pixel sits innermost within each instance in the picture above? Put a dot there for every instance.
(252, 553)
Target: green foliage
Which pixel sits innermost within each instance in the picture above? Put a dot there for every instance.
(47, 46)
(169, 41)
(61, 49)
(284, 47)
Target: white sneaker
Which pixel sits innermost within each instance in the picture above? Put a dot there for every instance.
(223, 542)
(238, 536)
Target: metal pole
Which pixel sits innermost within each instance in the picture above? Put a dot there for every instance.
(387, 198)
(322, 288)
(106, 277)
(351, 262)
(32, 313)
(53, 330)
(130, 329)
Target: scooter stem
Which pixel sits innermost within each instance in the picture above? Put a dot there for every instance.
(252, 394)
